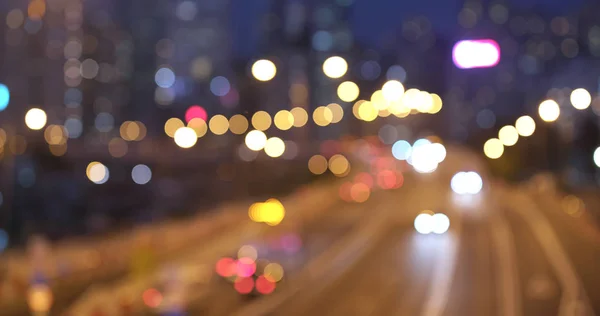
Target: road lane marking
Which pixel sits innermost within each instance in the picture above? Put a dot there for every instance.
(509, 294)
(443, 274)
(573, 295)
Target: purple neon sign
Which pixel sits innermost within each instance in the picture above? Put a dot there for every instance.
(481, 53)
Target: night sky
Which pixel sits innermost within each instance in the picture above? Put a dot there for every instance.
(372, 18)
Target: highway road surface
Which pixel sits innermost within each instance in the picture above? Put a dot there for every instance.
(511, 250)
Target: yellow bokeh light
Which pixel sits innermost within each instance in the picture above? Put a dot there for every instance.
(97, 172)
(171, 126)
(185, 137)
(581, 99)
(273, 272)
(355, 108)
(338, 165)
(348, 91)
(218, 124)
(437, 104)
(199, 126)
(130, 131)
(264, 70)
(284, 120)
(549, 111)
(508, 135)
(317, 164)
(378, 101)
(261, 120)
(367, 112)
(39, 299)
(525, 125)
(412, 98)
(55, 135)
(142, 131)
(392, 90)
(322, 116)
(35, 119)
(270, 212)
(238, 124)
(335, 67)
(274, 147)
(256, 140)
(425, 103)
(300, 116)
(493, 148)
(337, 112)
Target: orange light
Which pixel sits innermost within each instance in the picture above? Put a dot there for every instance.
(152, 297)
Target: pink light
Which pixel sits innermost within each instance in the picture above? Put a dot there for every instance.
(246, 267)
(476, 54)
(195, 111)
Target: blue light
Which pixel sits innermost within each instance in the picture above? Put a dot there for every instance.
(4, 97)
(3, 240)
(164, 78)
(401, 150)
(220, 86)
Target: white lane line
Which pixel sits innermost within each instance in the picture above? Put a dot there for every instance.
(573, 295)
(507, 279)
(443, 274)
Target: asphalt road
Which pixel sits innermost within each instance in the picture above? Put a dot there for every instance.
(512, 250)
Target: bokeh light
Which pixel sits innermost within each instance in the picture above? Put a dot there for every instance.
(284, 120)
(581, 99)
(360, 192)
(549, 111)
(185, 137)
(195, 111)
(39, 298)
(392, 90)
(424, 223)
(171, 126)
(317, 164)
(238, 124)
(247, 251)
(264, 70)
(401, 150)
(441, 223)
(322, 116)
(466, 183)
(508, 135)
(335, 67)
(243, 285)
(218, 124)
(35, 119)
(164, 77)
(476, 53)
(4, 97)
(337, 112)
(256, 140)
(97, 172)
(348, 91)
(367, 112)
(273, 272)
(597, 157)
(525, 125)
(141, 174)
(339, 165)
(55, 135)
(264, 286)
(274, 147)
(493, 148)
(300, 116)
(197, 124)
(261, 120)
